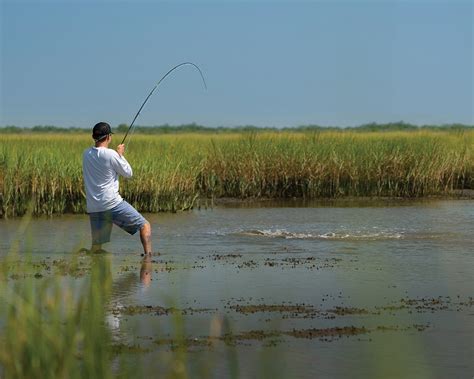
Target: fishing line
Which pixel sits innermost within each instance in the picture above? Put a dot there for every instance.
(154, 88)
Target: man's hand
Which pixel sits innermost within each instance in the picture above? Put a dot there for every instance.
(121, 149)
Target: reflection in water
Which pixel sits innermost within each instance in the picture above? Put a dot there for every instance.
(127, 285)
(146, 271)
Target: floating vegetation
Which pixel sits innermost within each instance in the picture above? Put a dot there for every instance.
(186, 343)
(322, 334)
(289, 310)
(342, 311)
(75, 268)
(295, 309)
(121, 348)
(157, 310)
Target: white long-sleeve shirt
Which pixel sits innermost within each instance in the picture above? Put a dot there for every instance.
(101, 168)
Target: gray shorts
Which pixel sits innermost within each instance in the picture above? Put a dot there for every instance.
(122, 215)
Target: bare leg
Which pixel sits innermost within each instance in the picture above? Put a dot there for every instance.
(145, 237)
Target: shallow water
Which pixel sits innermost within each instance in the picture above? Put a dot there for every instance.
(404, 271)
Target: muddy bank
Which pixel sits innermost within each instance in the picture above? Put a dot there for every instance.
(348, 201)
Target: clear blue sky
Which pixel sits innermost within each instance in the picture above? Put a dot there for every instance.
(73, 63)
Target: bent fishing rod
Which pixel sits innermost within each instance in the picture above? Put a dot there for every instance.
(155, 87)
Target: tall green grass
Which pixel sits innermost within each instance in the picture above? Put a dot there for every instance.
(171, 172)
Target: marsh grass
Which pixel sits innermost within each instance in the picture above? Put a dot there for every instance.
(172, 172)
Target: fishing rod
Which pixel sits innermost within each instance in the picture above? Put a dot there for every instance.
(153, 90)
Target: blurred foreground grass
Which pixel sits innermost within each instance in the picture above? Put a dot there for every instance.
(171, 172)
(58, 325)
(52, 327)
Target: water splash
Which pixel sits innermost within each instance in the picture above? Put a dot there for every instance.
(344, 235)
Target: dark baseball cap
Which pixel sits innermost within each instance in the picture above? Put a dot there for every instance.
(101, 130)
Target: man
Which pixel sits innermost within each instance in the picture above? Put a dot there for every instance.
(101, 168)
